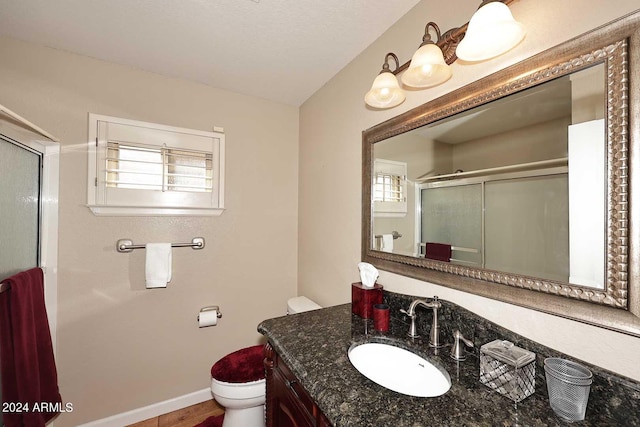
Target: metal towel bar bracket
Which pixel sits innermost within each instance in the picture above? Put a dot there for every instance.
(126, 245)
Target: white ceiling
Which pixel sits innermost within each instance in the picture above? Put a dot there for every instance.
(539, 104)
(281, 50)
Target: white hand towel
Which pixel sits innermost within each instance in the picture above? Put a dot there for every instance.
(158, 265)
(387, 242)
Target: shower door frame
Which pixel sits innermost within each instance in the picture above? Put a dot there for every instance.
(27, 135)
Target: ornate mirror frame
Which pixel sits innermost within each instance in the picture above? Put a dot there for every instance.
(617, 307)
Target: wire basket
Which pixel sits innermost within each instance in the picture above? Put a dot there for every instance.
(568, 385)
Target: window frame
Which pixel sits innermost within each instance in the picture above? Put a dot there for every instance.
(103, 201)
(399, 171)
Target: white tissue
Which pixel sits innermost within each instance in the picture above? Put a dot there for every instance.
(368, 274)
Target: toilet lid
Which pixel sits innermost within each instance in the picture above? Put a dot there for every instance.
(241, 366)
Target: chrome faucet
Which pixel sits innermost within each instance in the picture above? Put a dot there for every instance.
(434, 336)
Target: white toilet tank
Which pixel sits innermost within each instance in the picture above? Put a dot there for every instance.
(300, 304)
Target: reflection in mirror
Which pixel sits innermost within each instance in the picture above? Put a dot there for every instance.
(516, 185)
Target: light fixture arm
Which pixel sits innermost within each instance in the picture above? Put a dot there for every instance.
(426, 39)
(385, 66)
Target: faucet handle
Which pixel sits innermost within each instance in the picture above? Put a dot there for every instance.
(413, 331)
(412, 315)
(457, 351)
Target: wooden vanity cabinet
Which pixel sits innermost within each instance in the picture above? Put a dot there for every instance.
(288, 404)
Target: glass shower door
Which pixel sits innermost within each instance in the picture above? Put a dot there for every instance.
(20, 169)
(20, 181)
(453, 215)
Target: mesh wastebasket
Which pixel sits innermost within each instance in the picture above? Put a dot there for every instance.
(568, 385)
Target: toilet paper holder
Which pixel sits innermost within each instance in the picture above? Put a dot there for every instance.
(211, 308)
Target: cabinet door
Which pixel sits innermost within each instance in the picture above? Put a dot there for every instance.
(288, 404)
(288, 411)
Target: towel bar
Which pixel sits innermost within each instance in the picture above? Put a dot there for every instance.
(126, 245)
(4, 287)
(423, 245)
(394, 233)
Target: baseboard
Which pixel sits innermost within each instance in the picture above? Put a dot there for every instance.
(151, 411)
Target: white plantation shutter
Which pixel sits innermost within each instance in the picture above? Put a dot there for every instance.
(146, 169)
(389, 188)
(151, 168)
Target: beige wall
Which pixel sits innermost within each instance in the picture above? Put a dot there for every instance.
(119, 347)
(541, 141)
(331, 123)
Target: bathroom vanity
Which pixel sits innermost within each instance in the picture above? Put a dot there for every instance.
(311, 381)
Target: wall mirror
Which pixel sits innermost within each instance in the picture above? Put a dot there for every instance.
(517, 187)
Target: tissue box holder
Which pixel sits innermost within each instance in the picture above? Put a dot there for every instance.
(363, 299)
(508, 369)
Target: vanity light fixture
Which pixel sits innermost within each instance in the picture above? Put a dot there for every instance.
(385, 91)
(491, 32)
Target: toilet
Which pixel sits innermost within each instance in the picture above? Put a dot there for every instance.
(238, 382)
(300, 304)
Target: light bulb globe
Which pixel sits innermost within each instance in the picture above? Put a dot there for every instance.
(385, 92)
(492, 31)
(428, 68)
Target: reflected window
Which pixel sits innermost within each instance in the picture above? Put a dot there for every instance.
(389, 188)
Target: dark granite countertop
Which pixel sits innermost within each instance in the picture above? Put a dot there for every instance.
(315, 345)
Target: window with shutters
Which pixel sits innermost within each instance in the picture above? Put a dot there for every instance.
(389, 188)
(139, 168)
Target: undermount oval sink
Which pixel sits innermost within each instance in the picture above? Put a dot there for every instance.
(399, 370)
